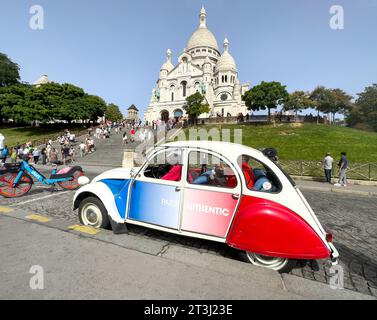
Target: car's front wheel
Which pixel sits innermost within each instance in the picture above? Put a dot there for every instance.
(282, 265)
(93, 213)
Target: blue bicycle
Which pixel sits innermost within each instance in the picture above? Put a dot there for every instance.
(16, 179)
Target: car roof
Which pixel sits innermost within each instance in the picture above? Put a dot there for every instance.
(229, 150)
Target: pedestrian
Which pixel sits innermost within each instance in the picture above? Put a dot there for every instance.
(36, 155)
(82, 148)
(4, 154)
(44, 155)
(54, 156)
(343, 166)
(20, 152)
(327, 166)
(72, 153)
(125, 138)
(13, 156)
(65, 153)
(132, 135)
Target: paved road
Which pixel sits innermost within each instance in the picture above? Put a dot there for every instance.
(351, 217)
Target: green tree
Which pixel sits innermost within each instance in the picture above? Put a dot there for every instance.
(341, 103)
(298, 101)
(195, 106)
(95, 106)
(364, 112)
(9, 71)
(113, 113)
(331, 101)
(322, 99)
(21, 104)
(266, 95)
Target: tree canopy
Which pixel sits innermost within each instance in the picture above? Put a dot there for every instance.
(195, 106)
(9, 71)
(266, 95)
(298, 101)
(364, 112)
(331, 101)
(113, 113)
(24, 103)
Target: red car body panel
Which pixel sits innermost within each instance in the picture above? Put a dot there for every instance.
(268, 228)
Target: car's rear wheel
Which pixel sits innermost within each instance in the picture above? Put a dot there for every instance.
(93, 213)
(282, 265)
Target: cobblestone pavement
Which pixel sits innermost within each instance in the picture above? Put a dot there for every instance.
(352, 219)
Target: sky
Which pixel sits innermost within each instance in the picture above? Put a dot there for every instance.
(115, 48)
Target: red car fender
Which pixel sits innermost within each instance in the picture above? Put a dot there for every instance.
(268, 228)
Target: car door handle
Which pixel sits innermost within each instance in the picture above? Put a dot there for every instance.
(235, 196)
(177, 189)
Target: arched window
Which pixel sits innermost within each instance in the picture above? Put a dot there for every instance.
(184, 88)
(172, 96)
(222, 79)
(226, 79)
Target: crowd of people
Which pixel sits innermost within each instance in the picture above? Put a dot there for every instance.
(61, 150)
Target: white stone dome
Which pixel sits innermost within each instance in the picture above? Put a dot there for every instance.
(168, 65)
(42, 80)
(202, 38)
(226, 61)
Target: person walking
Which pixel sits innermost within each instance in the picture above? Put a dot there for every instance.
(44, 155)
(132, 135)
(4, 154)
(13, 156)
(82, 149)
(343, 166)
(54, 156)
(327, 166)
(36, 155)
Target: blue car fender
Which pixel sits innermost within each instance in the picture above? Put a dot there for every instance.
(102, 192)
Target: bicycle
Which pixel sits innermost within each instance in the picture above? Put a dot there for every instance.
(16, 179)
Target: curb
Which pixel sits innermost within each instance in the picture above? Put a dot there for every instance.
(349, 181)
(334, 190)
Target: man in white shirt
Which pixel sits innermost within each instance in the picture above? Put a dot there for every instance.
(327, 165)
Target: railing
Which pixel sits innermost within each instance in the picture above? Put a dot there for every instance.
(356, 171)
(255, 119)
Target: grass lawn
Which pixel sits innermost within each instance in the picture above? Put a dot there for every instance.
(26, 134)
(308, 141)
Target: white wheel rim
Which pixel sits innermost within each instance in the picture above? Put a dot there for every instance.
(267, 262)
(91, 215)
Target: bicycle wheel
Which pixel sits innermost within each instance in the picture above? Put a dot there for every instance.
(22, 187)
(72, 184)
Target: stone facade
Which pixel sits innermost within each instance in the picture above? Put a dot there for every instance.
(201, 68)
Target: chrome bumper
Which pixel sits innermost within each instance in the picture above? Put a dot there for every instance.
(334, 254)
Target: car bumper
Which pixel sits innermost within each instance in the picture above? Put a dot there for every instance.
(334, 254)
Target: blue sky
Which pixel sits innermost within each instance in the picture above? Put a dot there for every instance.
(115, 48)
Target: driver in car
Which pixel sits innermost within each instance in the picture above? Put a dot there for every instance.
(216, 176)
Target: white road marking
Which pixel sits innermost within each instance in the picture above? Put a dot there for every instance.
(37, 199)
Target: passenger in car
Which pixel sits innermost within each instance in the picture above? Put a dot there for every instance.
(214, 177)
(262, 183)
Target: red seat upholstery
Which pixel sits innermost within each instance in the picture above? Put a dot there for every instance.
(174, 174)
(249, 175)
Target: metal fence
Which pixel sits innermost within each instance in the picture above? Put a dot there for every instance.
(356, 171)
